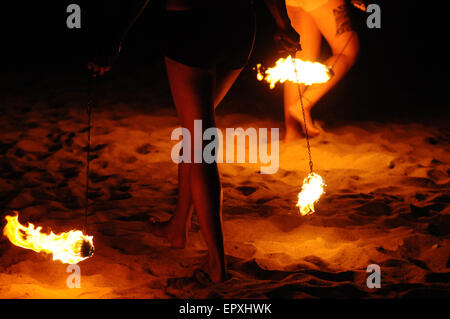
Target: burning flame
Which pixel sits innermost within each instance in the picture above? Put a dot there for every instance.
(311, 191)
(294, 70)
(70, 248)
(359, 4)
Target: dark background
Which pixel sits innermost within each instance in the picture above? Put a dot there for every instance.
(392, 79)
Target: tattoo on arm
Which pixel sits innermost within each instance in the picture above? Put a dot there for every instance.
(342, 19)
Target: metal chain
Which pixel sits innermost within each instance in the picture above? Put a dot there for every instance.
(301, 99)
(90, 102)
(304, 119)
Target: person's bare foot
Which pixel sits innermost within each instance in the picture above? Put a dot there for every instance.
(293, 132)
(167, 230)
(216, 272)
(297, 114)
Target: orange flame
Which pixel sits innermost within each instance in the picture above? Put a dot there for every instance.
(66, 247)
(294, 70)
(359, 4)
(311, 191)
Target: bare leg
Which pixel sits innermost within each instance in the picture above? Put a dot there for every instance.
(193, 91)
(177, 228)
(333, 21)
(224, 80)
(310, 39)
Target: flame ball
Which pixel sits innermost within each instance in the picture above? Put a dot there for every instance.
(70, 248)
(312, 189)
(294, 70)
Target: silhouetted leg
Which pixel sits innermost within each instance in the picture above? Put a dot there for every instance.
(224, 80)
(193, 95)
(310, 39)
(177, 228)
(333, 21)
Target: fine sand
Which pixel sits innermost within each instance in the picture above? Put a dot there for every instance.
(386, 203)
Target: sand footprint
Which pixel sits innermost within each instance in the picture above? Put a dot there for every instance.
(144, 149)
(247, 190)
(120, 192)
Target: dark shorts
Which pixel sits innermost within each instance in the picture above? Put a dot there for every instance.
(215, 36)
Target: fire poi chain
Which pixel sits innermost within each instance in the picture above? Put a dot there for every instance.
(300, 72)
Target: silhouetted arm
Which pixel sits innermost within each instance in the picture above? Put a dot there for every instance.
(129, 14)
(287, 37)
(112, 19)
(278, 10)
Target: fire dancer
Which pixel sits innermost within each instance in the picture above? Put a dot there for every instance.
(207, 44)
(313, 19)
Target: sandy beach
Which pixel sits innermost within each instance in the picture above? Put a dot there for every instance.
(386, 201)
